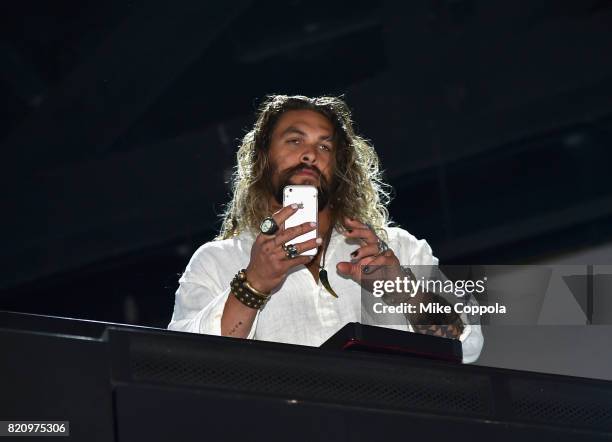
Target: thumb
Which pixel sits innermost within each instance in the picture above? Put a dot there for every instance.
(347, 269)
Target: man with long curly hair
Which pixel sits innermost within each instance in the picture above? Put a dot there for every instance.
(249, 284)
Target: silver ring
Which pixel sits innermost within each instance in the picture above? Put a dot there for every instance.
(268, 226)
(382, 246)
(290, 251)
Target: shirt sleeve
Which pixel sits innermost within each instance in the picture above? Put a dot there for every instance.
(411, 251)
(200, 298)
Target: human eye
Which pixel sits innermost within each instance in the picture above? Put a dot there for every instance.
(293, 141)
(325, 147)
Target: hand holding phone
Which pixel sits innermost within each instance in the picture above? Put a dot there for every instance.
(306, 197)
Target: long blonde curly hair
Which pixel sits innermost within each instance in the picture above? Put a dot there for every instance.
(359, 191)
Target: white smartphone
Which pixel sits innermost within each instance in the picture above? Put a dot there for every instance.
(306, 197)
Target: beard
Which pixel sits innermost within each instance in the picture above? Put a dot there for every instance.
(324, 188)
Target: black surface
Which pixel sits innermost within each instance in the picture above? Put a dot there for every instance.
(50, 377)
(131, 383)
(218, 415)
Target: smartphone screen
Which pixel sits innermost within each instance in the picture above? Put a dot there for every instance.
(306, 197)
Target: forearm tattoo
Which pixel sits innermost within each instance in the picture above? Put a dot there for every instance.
(234, 328)
(437, 324)
(446, 331)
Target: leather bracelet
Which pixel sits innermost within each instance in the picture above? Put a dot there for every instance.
(246, 294)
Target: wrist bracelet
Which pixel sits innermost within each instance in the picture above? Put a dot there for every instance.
(250, 288)
(246, 294)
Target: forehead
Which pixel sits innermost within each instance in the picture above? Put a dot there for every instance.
(304, 119)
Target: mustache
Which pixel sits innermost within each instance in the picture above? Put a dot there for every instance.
(299, 168)
(324, 185)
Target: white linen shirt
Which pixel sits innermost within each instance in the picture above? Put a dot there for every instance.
(300, 311)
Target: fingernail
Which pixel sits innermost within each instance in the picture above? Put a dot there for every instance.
(313, 224)
(319, 241)
(354, 253)
(294, 206)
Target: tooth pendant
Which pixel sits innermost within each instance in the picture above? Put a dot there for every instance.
(325, 282)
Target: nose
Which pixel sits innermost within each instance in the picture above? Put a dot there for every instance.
(309, 154)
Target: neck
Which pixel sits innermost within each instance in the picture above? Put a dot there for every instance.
(325, 224)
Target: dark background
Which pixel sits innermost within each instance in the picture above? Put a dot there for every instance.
(119, 122)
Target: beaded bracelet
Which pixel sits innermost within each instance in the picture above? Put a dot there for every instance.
(246, 294)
